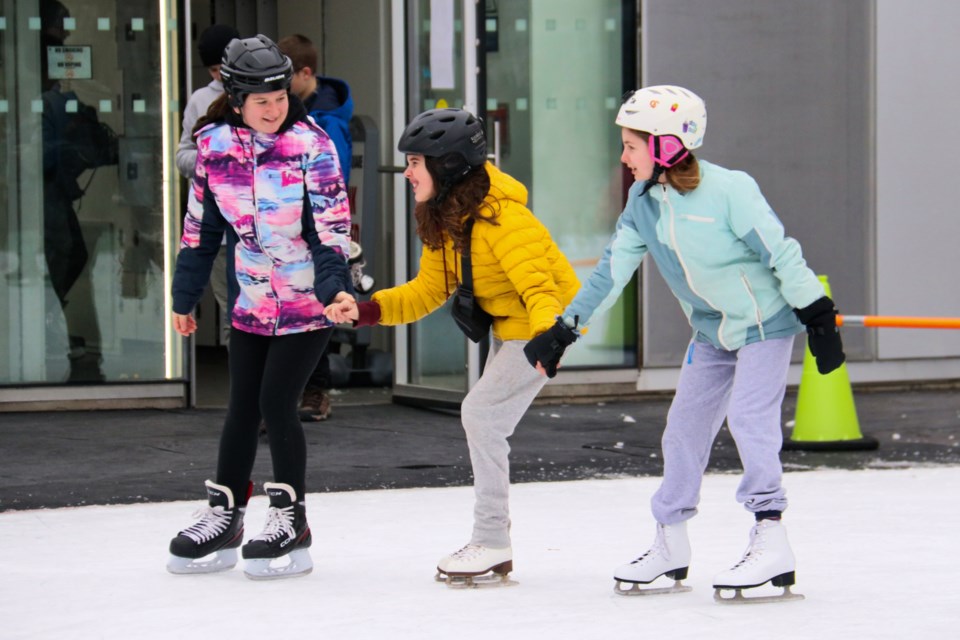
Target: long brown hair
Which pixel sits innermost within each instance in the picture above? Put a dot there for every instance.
(218, 111)
(443, 217)
(683, 176)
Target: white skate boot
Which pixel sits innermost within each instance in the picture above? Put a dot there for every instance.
(768, 559)
(211, 543)
(476, 566)
(668, 556)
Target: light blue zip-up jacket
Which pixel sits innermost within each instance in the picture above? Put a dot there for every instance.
(722, 251)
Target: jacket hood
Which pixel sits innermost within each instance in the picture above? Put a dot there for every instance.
(332, 98)
(505, 187)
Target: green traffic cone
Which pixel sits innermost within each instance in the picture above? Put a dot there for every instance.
(826, 417)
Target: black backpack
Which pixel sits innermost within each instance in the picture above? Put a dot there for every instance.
(84, 143)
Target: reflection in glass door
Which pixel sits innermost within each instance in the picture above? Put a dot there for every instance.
(82, 220)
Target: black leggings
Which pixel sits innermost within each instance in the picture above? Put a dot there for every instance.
(267, 377)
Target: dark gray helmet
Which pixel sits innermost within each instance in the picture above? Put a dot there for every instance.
(254, 65)
(438, 132)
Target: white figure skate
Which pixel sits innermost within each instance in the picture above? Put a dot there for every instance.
(476, 566)
(668, 556)
(768, 559)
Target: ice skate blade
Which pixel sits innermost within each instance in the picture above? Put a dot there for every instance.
(485, 581)
(636, 589)
(222, 560)
(298, 563)
(739, 598)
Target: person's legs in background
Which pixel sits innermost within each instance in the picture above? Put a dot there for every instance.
(218, 282)
(315, 405)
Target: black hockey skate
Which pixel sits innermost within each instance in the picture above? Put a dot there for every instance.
(217, 533)
(282, 549)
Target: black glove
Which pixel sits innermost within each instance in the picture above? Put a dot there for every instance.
(820, 319)
(548, 347)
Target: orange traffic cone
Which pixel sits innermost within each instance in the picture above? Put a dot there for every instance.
(826, 417)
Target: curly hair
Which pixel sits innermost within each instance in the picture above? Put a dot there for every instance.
(443, 216)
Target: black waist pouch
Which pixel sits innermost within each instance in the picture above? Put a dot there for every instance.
(472, 320)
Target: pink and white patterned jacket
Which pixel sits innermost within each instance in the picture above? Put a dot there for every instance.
(281, 200)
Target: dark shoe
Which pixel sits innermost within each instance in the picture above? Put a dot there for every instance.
(219, 530)
(286, 529)
(86, 368)
(315, 406)
(286, 535)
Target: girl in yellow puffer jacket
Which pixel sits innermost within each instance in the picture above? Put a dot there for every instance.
(520, 278)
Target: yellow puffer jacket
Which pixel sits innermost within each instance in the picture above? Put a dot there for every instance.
(520, 277)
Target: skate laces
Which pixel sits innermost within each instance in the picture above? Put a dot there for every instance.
(279, 523)
(213, 521)
(754, 549)
(659, 547)
(468, 552)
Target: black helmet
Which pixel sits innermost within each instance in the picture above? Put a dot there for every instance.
(439, 132)
(253, 65)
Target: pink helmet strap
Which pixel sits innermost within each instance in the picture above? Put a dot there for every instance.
(666, 150)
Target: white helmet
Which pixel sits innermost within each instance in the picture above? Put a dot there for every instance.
(666, 110)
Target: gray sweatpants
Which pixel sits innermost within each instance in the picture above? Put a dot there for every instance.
(746, 387)
(490, 413)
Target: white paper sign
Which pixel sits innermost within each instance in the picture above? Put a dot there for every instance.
(67, 63)
(441, 44)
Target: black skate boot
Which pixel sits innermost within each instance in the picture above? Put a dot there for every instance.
(281, 550)
(219, 531)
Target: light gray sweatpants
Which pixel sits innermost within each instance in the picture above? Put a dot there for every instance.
(490, 413)
(746, 387)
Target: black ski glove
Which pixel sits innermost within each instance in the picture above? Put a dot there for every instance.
(548, 347)
(820, 319)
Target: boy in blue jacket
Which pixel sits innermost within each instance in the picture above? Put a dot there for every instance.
(746, 291)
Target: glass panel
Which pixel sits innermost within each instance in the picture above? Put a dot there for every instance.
(82, 220)
(550, 109)
(438, 349)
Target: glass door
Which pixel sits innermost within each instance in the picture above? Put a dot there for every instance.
(546, 76)
(84, 239)
(554, 74)
(435, 363)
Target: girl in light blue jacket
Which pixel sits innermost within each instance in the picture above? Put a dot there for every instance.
(746, 291)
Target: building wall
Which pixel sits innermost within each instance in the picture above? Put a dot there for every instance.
(917, 219)
(814, 104)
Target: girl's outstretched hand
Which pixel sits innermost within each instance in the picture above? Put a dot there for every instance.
(342, 309)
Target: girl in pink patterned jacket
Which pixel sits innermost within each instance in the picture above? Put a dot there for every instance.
(269, 178)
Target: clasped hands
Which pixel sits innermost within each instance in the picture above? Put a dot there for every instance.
(342, 309)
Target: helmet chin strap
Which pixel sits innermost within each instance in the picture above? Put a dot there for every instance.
(654, 179)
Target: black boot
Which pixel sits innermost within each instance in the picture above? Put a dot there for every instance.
(219, 530)
(286, 533)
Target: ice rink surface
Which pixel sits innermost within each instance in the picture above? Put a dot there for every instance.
(876, 555)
